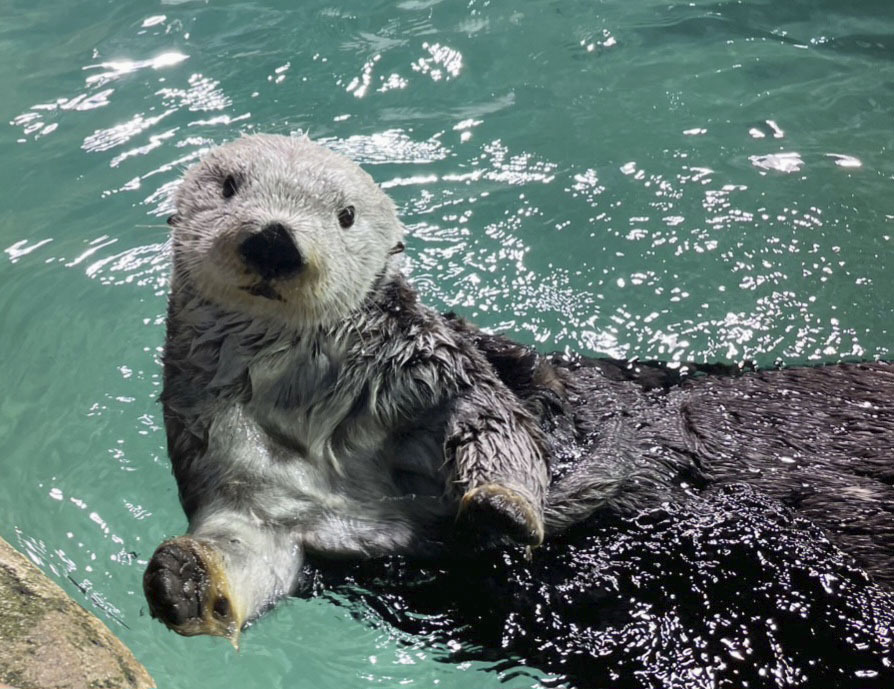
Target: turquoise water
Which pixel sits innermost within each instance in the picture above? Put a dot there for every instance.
(697, 181)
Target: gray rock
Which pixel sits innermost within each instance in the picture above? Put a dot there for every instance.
(47, 640)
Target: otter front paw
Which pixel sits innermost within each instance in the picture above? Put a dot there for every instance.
(186, 588)
(494, 507)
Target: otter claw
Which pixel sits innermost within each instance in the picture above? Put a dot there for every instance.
(501, 509)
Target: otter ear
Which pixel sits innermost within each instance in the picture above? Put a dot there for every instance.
(397, 249)
(173, 220)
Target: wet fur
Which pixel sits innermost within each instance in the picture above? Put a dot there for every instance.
(345, 419)
(625, 435)
(341, 416)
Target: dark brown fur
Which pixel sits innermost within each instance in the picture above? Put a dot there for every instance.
(625, 434)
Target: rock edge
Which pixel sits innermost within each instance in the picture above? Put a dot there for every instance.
(47, 640)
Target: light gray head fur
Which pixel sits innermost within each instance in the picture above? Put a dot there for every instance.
(303, 187)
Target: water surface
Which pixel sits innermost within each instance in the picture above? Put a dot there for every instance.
(695, 181)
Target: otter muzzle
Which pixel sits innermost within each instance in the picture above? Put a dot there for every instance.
(272, 252)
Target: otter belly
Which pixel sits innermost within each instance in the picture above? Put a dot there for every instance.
(346, 472)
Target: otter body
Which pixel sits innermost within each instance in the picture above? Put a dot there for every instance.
(314, 406)
(627, 435)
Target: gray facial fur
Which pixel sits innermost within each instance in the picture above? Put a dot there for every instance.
(303, 186)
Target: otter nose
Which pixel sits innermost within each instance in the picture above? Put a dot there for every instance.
(272, 252)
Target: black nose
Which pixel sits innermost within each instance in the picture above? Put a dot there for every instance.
(272, 253)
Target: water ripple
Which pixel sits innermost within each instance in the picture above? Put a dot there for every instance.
(388, 146)
(117, 69)
(696, 181)
(203, 95)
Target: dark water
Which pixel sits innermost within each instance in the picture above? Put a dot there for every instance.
(696, 181)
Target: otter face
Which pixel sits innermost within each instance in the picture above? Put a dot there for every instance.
(283, 228)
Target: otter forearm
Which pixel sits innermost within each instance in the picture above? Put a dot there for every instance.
(262, 561)
(495, 451)
(225, 571)
(492, 445)
(492, 439)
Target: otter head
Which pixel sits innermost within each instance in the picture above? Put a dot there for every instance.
(283, 228)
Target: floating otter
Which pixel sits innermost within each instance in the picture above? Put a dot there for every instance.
(312, 404)
(314, 407)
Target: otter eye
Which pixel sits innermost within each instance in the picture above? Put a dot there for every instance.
(346, 217)
(230, 186)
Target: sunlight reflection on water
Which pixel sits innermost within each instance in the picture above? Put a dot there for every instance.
(628, 180)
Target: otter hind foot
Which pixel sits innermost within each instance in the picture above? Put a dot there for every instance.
(496, 508)
(186, 588)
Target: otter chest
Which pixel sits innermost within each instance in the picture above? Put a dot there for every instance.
(308, 400)
(322, 407)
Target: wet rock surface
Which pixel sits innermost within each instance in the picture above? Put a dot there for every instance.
(47, 640)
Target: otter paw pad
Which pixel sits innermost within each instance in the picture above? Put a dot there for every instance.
(176, 585)
(496, 508)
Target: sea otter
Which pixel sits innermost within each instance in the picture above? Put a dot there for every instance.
(314, 407)
(312, 403)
